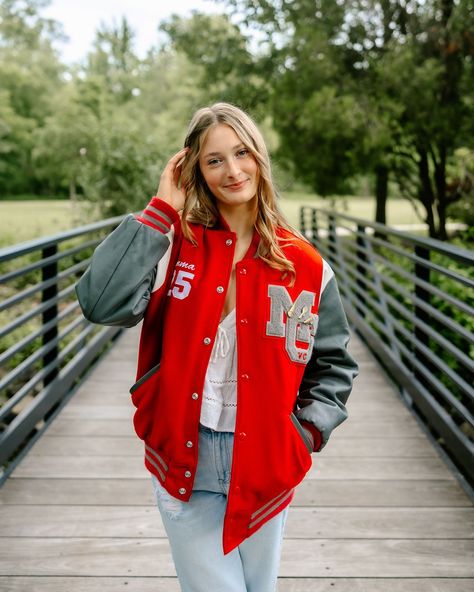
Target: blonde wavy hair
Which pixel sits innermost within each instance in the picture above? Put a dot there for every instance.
(200, 206)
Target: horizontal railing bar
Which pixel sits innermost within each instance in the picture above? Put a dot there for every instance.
(435, 335)
(12, 252)
(435, 414)
(440, 317)
(433, 380)
(434, 312)
(23, 424)
(408, 315)
(426, 285)
(39, 353)
(410, 276)
(409, 355)
(48, 260)
(14, 349)
(463, 255)
(40, 286)
(427, 263)
(397, 327)
(43, 372)
(25, 317)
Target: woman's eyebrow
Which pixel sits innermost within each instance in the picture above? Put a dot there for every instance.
(236, 147)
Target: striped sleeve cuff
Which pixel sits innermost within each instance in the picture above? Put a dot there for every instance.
(159, 215)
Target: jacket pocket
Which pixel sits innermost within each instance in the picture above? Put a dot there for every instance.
(144, 378)
(302, 433)
(144, 394)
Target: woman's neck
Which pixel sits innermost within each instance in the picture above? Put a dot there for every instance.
(241, 220)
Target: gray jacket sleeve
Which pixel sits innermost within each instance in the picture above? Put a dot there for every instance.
(116, 287)
(327, 380)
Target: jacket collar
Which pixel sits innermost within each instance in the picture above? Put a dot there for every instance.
(221, 224)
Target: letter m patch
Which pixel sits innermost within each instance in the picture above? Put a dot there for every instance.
(294, 321)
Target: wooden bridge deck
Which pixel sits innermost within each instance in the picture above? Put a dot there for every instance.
(379, 511)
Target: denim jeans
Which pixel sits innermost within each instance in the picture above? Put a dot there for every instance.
(194, 529)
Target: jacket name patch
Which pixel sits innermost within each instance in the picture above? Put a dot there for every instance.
(300, 323)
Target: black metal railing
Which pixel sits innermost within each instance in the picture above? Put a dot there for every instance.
(412, 301)
(46, 345)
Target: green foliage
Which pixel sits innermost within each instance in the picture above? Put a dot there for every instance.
(370, 85)
(30, 72)
(122, 170)
(342, 90)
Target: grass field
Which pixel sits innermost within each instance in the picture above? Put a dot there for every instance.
(28, 219)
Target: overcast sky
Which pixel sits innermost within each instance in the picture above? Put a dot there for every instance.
(80, 19)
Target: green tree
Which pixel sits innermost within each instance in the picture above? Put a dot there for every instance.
(67, 138)
(216, 47)
(397, 77)
(30, 74)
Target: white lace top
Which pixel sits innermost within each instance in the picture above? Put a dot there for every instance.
(219, 404)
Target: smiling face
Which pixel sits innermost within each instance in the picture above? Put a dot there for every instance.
(229, 168)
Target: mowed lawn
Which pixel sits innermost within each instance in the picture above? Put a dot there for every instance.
(25, 220)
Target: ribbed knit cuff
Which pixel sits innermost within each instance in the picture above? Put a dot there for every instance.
(159, 215)
(315, 435)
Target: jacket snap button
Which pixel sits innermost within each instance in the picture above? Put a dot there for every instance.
(220, 289)
(187, 474)
(195, 396)
(243, 321)
(189, 444)
(182, 491)
(228, 242)
(242, 435)
(207, 340)
(236, 489)
(243, 271)
(244, 376)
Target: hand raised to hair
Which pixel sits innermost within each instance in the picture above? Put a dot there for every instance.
(169, 189)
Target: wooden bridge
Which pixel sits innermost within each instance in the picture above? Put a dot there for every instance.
(382, 509)
(379, 511)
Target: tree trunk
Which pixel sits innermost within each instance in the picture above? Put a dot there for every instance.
(426, 192)
(381, 193)
(441, 196)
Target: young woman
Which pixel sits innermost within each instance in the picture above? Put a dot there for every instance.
(243, 369)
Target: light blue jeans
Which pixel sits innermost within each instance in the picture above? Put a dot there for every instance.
(194, 529)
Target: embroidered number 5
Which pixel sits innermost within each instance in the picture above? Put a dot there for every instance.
(181, 285)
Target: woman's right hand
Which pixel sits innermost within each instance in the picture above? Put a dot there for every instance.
(169, 189)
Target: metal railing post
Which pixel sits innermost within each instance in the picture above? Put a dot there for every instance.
(314, 224)
(422, 272)
(361, 268)
(48, 272)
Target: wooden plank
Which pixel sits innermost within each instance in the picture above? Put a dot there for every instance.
(133, 446)
(91, 427)
(77, 491)
(377, 523)
(363, 493)
(110, 467)
(315, 558)
(371, 585)
(111, 395)
(378, 468)
(317, 493)
(98, 412)
(378, 558)
(406, 427)
(82, 446)
(309, 493)
(137, 584)
(303, 523)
